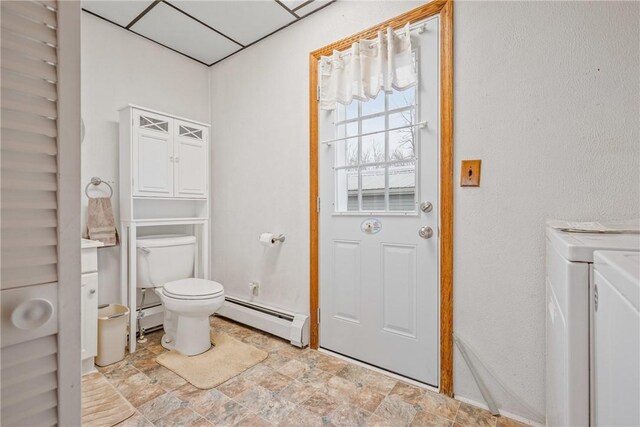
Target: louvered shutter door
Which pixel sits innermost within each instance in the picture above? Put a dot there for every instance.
(29, 214)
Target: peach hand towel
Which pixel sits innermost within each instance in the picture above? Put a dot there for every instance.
(101, 224)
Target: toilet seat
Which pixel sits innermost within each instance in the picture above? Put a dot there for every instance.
(192, 289)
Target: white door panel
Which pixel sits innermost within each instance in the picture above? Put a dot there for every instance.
(89, 315)
(399, 289)
(191, 155)
(153, 156)
(346, 302)
(379, 288)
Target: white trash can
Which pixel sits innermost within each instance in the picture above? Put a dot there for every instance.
(112, 334)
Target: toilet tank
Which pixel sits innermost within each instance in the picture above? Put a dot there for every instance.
(164, 258)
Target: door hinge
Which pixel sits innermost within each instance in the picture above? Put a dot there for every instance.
(318, 204)
(318, 93)
(318, 315)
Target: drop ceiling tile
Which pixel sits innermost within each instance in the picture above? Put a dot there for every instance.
(120, 12)
(174, 29)
(292, 4)
(243, 21)
(308, 8)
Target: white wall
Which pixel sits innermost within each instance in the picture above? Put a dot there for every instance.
(260, 169)
(545, 94)
(120, 68)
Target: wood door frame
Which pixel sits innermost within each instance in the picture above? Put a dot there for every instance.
(445, 9)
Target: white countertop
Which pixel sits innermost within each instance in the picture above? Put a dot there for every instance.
(86, 243)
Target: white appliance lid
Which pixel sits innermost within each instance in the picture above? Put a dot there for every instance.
(579, 247)
(192, 288)
(161, 240)
(622, 270)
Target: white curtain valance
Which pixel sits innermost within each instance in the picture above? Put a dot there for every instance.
(385, 63)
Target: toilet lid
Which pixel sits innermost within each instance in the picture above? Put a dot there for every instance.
(192, 289)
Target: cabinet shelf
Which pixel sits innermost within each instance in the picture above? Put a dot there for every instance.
(192, 199)
(168, 221)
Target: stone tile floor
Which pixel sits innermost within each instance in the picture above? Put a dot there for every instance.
(292, 387)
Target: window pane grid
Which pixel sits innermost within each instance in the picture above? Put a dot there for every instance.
(386, 153)
(359, 156)
(375, 170)
(372, 116)
(390, 163)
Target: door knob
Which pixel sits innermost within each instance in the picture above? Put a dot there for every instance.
(32, 314)
(425, 232)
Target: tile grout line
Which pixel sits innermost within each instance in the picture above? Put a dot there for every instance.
(166, 392)
(310, 360)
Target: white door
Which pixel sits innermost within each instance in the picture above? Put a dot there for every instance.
(191, 155)
(153, 155)
(379, 279)
(40, 257)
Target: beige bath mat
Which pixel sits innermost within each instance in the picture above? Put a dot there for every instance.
(228, 358)
(102, 404)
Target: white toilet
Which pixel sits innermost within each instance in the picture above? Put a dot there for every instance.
(166, 264)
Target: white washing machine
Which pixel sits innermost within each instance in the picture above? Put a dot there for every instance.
(569, 260)
(616, 339)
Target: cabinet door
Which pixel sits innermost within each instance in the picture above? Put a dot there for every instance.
(152, 155)
(89, 310)
(191, 160)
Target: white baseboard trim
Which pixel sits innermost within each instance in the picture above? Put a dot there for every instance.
(380, 371)
(293, 327)
(502, 412)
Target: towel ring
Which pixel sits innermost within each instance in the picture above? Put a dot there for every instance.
(97, 181)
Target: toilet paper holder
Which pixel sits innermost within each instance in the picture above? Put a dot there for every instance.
(278, 238)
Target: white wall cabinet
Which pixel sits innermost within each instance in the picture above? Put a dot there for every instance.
(169, 156)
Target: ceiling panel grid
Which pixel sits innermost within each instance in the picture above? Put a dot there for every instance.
(205, 31)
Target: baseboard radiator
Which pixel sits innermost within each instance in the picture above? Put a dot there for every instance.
(292, 327)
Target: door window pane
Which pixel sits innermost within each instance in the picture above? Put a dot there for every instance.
(347, 152)
(347, 129)
(351, 110)
(373, 181)
(402, 187)
(402, 98)
(372, 149)
(373, 146)
(402, 141)
(375, 124)
(347, 190)
(374, 106)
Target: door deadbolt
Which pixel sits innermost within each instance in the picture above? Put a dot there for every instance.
(425, 232)
(426, 207)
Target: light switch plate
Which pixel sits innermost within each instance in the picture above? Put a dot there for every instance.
(470, 173)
